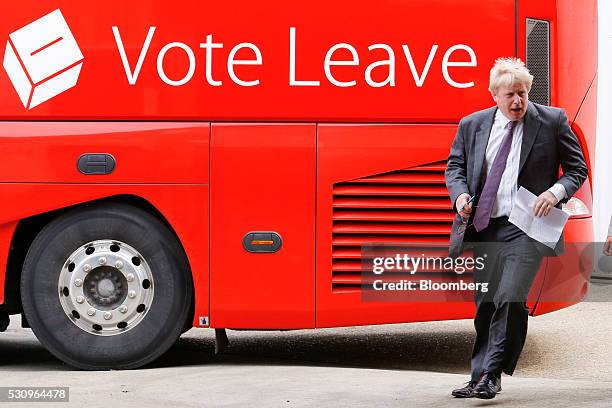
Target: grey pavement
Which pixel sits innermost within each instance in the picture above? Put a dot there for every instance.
(566, 363)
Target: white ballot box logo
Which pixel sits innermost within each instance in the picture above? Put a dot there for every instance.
(42, 59)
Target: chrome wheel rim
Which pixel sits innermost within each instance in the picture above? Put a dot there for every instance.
(106, 287)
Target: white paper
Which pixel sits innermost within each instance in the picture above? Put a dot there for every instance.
(546, 229)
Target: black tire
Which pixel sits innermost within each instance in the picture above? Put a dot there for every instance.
(163, 322)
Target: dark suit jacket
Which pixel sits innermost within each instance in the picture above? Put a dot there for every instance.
(548, 142)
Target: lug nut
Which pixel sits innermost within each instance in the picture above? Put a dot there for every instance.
(119, 264)
(80, 299)
(123, 308)
(102, 260)
(108, 315)
(78, 282)
(130, 277)
(86, 268)
(91, 311)
(131, 294)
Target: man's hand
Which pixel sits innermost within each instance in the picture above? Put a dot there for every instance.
(607, 249)
(462, 209)
(544, 203)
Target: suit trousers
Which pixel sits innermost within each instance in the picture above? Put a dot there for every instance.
(510, 266)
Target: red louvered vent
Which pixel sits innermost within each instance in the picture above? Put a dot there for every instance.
(403, 206)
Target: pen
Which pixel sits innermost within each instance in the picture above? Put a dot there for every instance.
(469, 201)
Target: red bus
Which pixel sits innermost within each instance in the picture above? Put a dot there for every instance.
(168, 165)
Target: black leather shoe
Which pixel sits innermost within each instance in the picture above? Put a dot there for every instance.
(465, 392)
(4, 322)
(488, 386)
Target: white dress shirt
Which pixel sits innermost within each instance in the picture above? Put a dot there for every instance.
(508, 184)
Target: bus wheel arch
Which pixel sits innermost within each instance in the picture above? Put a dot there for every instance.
(29, 228)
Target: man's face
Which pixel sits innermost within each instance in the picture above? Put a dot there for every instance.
(512, 100)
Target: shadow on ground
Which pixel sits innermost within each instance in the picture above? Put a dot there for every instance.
(428, 346)
(367, 348)
(394, 347)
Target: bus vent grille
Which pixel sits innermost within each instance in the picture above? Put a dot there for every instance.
(538, 59)
(409, 206)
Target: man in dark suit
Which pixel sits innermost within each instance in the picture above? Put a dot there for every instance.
(514, 144)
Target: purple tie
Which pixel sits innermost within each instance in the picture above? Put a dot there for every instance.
(489, 191)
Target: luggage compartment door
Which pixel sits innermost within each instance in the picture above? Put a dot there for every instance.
(262, 189)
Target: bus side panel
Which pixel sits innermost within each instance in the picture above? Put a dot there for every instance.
(350, 152)
(145, 152)
(573, 47)
(165, 164)
(354, 209)
(577, 53)
(573, 81)
(185, 207)
(262, 180)
(585, 128)
(568, 275)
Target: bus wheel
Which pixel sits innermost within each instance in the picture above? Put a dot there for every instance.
(106, 287)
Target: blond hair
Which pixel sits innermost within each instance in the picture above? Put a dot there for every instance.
(508, 72)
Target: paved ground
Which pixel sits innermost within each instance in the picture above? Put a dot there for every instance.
(566, 363)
